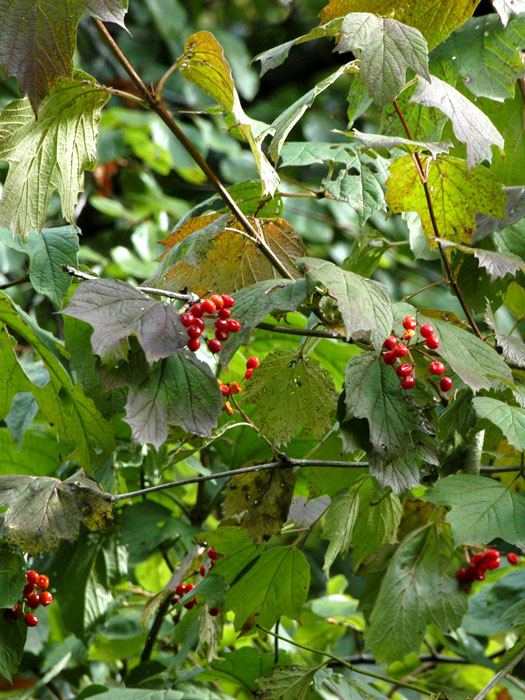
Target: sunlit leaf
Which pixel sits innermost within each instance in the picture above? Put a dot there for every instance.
(509, 419)
(507, 8)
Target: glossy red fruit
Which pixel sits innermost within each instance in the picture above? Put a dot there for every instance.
(389, 358)
(202, 570)
(228, 301)
(404, 369)
(28, 589)
(492, 564)
(33, 601)
(472, 571)
(426, 330)
(233, 325)
(409, 323)
(193, 344)
(214, 345)
(408, 382)
(480, 575)
(32, 576)
(191, 604)
(432, 342)
(214, 612)
(45, 598)
(400, 350)
(175, 600)
(31, 620)
(225, 313)
(390, 343)
(199, 323)
(445, 383)
(492, 554)
(477, 558)
(462, 575)
(187, 319)
(212, 554)
(188, 587)
(437, 367)
(217, 300)
(194, 331)
(16, 612)
(512, 558)
(42, 582)
(252, 362)
(222, 335)
(197, 310)
(248, 374)
(225, 390)
(180, 590)
(208, 306)
(221, 324)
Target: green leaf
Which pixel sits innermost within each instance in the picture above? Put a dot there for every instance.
(400, 472)
(515, 299)
(39, 37)
(339, 524)
(12, 576)
(301, 384)
(386, 49)
(237, 550)
(456, 194)
(243, 665)
(117, 310)
(203, 63)
(288, 683)
(41, 510)
(418, 588)
(50, 153)
(376, 141)
(12, 641)
(364, 304)
(513, 347)
(506, 8)
(497, 264)
(509, 419)
(482, 509)
(260, 596)
(47, 253)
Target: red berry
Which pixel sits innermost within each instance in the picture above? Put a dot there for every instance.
(437, 367)
(233, 325)
(194, 331)
(197, 310)
(181, 589)
(214, 612)
(45, 598)
(208, 306)
(404, 369)
(390, 343)
(16, 612)
(228, 301)
(188, 587)
(432, 342)
(248, 374)
(480, 575)
(212, 563)
(472, 571)
(217, 300)
(445, 383)
(224, 313)
(426, 330)
(222, 335)
(492, 564)
(31, 620)
(202, 570)
(409, 322)
(192, 603)
(32, 576)
(462, 575)
(477, 558)
(187, 319)
(42, 582)
(512, 558)
(221, 324)
(193, 344)
(492, 554)
(235, 388)
(389, 358)
(408, 382)
(33, 601)
(252, 362)
(212, 554)
(225, 390)
(466, 589)
(199, 323)
(175, 600)
(400, 350)
(214, 345)
(28, 589)
(409, 334)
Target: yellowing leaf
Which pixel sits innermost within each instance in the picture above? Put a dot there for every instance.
(456, 194)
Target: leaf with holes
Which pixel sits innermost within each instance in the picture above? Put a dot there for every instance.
(455, 192)
(509, 419)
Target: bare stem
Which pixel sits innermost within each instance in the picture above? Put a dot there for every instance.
(424, 289)
(14, 283)
(306, 332)
(500, 675)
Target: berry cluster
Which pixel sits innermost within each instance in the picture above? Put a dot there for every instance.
(480, 563)
(193, 321)
(396, 350)
(31, 599)
(235, 388)
(182, 589)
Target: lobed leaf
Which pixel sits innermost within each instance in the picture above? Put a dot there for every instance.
(497, 264)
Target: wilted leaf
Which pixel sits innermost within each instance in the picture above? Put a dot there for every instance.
(288, 683)
(259, 596)
(471, 126)
(261, 500)
(117, 310)
(364, 304)
(299, 383)
(509, 419)
(49, 154)
(203, 63)
(339, 524)
(41, 510)
(506, 8)
(456, 194)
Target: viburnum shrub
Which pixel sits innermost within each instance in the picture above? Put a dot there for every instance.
(262, 368)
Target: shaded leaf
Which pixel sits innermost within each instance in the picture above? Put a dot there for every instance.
(339, 524)
(509, 419)
(364, 304)
(288, 683)
(418, 588)
(299, 383)
(12, 576)
(514, 212)
(42, 510)
(236, 547)
(12, 641)
(244, 664)
(261, 500)
(456, 194)
(481, 509)
(400, 472)
(304, 512)
(260, 596)
(471, 126)
(497, 264)
(513, 347)
(49, 154)
(117, 310)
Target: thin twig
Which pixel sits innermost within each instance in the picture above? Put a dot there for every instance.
(424, 289)
(155, 629)
(424, 181)
(20, 280)
(306, 332)
(500, 675)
